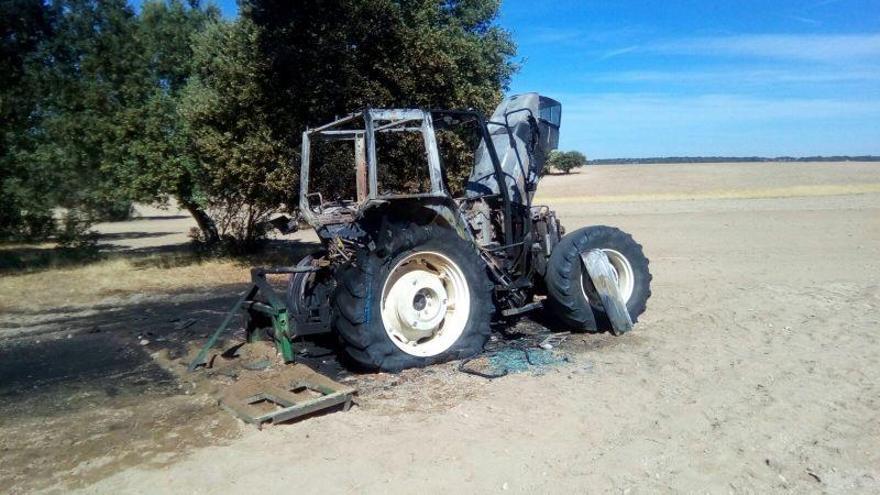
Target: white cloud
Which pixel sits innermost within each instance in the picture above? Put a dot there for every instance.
(582, 38)
(647, 124)
(542, 35)
(648, 108)
(805, 20)
(618, 52)
(745, 75)
(822, 48)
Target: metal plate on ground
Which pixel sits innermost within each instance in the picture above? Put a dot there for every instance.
(283, 395)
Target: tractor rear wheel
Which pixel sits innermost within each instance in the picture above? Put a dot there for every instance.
(298, 286)
(571, 297)
(420, 296)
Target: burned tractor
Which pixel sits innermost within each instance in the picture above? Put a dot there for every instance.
(416, 277)
(414, 273)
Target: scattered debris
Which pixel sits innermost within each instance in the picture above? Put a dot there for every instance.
(554, 340)
(516, 356)
(185, 324)
(515, 360)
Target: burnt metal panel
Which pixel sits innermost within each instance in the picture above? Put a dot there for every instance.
(304, 209)
(433, 154)
(360, 163)
(372, 171)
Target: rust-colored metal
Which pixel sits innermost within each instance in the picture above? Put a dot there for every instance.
(276, 396)
(360, 161)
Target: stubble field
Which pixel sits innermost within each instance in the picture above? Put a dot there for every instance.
(754, 370)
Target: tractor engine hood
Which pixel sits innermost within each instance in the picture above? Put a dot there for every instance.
(533, 123)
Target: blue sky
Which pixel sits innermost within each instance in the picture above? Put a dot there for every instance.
(701, 77)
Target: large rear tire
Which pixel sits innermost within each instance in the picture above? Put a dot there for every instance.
(571, 297)
(421, 296)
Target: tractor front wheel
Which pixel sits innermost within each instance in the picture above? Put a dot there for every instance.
(571, 297)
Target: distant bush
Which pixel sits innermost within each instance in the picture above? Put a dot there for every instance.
(113, 211)
(75, 232)
(566, 161)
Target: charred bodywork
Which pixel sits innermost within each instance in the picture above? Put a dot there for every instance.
(514, 237)
(412, 270)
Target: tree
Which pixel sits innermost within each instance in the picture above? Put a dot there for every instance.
(566, 161)
(92, 74)
(244, 172)
(102, 106)
(95, 94)
(73, 81)
(25, 211)
(258, 81)
(160, 160)
(329, 58)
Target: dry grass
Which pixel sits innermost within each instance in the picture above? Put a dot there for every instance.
(42, 276)
(89, 284)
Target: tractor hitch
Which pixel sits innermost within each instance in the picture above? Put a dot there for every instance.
(281, 394)
(257, 304)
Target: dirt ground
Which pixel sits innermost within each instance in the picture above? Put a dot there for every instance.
(754, 370)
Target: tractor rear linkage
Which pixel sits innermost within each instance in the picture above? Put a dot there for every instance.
(308, 393)
(253, 310)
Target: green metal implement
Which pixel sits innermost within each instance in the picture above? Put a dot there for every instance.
(255, 310)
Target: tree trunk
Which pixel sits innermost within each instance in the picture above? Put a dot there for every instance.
(206, 223)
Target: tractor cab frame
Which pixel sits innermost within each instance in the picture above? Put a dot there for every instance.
(506, 245)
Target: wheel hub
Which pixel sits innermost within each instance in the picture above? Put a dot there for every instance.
(623, 276)
(425, 303)
(420, 303)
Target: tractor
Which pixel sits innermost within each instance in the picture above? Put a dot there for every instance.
(408, 278)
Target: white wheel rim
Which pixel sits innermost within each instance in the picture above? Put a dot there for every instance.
(622, 270)
(425, 304)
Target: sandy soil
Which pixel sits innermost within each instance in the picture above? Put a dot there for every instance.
(754, 369)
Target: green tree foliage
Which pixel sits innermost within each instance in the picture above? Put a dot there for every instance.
(566, 161)
(246, 173)
(24, 214)
(102, 106)
(161, 161)
(331, 57)
(77, 81)
(96, 96)
(89, 75)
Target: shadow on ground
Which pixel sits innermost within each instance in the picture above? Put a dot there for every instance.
(81, 360)
(122, 236)
(86, 395)
(16, 259)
